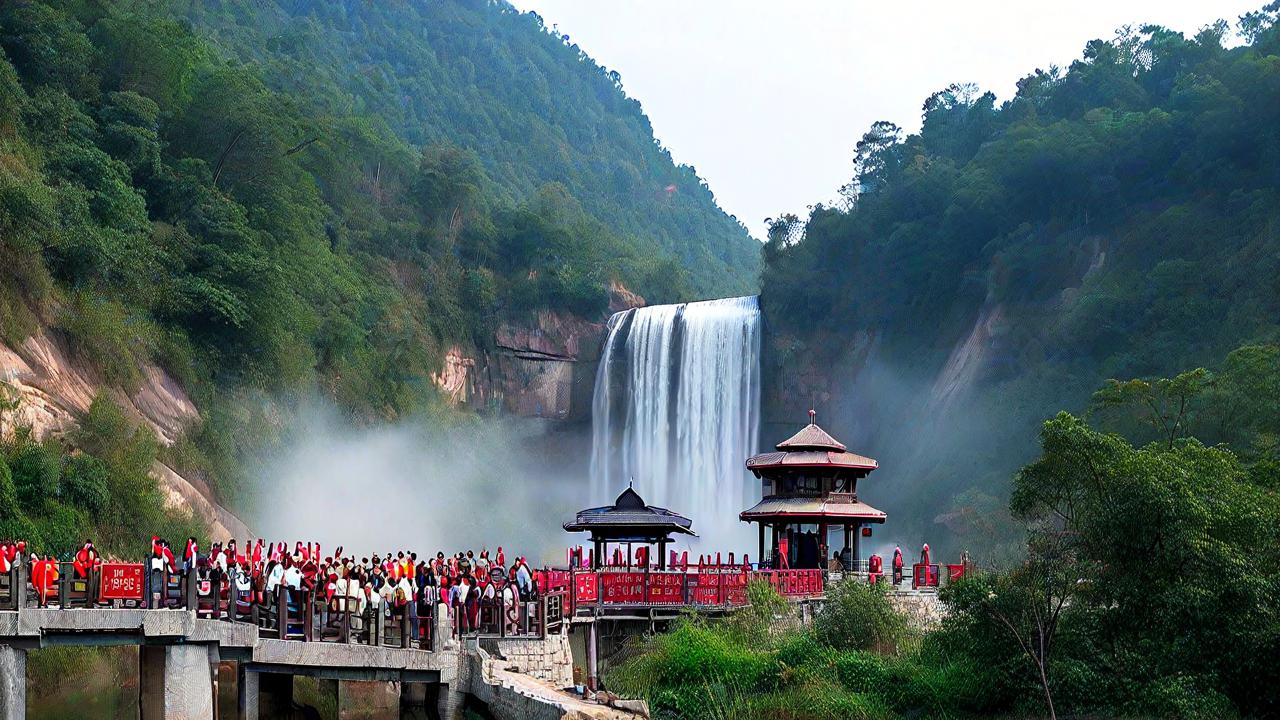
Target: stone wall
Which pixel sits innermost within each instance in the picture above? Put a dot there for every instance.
(515, 696)
(550, 660)
(924, 610)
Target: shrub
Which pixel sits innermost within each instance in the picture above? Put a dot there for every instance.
(105, 334)
(35, 468)
(858, 616)
(8, 493)
(84, 483)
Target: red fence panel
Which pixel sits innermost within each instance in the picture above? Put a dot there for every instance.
(585, 590)
(665, 588)
(735, 588)
(704, 589)
(622, 588)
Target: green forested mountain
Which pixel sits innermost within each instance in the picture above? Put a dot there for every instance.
(477, 74)
(1116, 218)
(270, 200)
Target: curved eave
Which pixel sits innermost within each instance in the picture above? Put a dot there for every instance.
(811, 459)
(636, 529)
(817, 508)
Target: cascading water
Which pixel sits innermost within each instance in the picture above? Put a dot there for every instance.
(677, 409)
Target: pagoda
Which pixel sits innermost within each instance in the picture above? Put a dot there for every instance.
(626, 522)
(810, 484)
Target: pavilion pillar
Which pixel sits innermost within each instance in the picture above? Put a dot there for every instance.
(593, 679)
(846, 555)
(775, 562)
(13, 683)
(823, 557)
(857, 544)
(760, 557)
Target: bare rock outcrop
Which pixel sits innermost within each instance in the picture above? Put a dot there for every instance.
(542, 367)
(54, 390)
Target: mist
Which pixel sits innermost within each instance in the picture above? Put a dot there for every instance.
(424, 485)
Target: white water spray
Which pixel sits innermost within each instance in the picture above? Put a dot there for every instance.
(677, 409)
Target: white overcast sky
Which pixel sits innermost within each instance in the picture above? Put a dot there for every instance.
(766, 98)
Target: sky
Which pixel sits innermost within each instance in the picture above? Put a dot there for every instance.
(766, 98)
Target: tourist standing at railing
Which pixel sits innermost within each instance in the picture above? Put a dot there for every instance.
(510, 609)
(524, 579)
(86, 560)
(44, 578)
(897, 565)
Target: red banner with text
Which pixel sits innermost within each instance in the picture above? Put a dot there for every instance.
(121, 581)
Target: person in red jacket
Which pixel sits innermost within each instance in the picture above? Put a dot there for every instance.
(86, 560)
(44, 578)
(875, 569)
(897, 565)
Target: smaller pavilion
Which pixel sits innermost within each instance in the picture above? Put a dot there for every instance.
(629, 521)
(810, 485)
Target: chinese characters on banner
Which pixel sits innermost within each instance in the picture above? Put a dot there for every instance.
(121, 581)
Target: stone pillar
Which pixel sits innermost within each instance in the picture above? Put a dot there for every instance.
(368, 700)
(13, 683)
(442, 632)
(275, 695)
(449, 703)
(176, 683)
(592, 677)
(247, 692)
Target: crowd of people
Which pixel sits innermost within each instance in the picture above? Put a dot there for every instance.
(395, 583)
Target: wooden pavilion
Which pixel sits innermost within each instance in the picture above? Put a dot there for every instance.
(629, 521)
(809, 485)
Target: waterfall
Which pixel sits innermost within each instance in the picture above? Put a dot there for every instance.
(677, 409)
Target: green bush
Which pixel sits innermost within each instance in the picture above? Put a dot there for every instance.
(104, 334)
(8, 493)
(35, 468)
(85, 483)
(858, 616)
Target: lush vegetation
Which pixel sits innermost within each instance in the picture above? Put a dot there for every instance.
(1114, 218)
(95, 484)
(1147, 586)
(279, 199)
(531, 105)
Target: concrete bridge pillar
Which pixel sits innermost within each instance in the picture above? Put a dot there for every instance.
(449, 702)
(13, 683)
(368, 700)
(246, 693)
(176, 682)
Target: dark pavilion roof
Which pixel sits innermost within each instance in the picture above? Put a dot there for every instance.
(811, 447)
(629, 517)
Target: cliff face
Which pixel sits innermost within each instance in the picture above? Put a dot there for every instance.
(54, 390)
(541, 368)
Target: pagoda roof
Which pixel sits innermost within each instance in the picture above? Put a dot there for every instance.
(629, 516)
(835, 506)
(811, 447)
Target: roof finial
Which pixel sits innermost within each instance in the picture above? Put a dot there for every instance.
(631, 483)
(813, 416)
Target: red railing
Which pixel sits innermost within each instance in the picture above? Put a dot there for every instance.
(724, 587)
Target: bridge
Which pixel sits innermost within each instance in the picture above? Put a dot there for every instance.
(187, 627)
(376, 664)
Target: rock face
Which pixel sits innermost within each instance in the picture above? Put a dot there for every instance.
(54, 390)
(544, 367)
